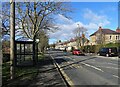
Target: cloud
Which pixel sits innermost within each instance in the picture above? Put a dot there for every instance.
(100, 20)
(91, 26)
(67, 26)
(64, 19)
(65, 32)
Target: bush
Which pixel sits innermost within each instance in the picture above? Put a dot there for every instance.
(112, 45)
(95, 48)
(86, 49)
(92, 48)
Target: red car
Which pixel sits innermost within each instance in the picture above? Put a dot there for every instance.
(77, 52)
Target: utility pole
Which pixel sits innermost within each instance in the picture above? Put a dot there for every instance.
(12, 38)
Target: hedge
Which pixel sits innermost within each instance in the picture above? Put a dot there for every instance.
(95, 48)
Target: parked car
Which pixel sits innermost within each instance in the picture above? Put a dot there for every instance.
(108, 51)
(77, 52)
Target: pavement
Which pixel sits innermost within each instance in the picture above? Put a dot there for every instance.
(47, 76)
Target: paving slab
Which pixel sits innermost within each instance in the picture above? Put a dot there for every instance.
(48, 75)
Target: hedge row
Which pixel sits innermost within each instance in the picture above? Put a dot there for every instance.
(95, 48)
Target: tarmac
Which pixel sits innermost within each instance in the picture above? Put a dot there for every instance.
(48, 76)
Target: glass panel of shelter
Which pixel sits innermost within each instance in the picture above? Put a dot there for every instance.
(24, 52)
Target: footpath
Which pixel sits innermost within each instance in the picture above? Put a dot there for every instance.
(47, 76)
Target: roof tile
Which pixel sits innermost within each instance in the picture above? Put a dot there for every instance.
(106, 31)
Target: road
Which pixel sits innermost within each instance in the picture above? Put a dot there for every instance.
(88, 69)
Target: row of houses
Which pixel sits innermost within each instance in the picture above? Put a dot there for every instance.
(101, 36)
(72, 43)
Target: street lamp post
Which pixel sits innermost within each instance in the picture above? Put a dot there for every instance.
(81, 37)
(79, 44)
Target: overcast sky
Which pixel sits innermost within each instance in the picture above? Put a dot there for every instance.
(90, 15)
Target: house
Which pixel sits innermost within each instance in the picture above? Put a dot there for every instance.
(72, 43)
(59, 45)
(118, 30)
(104, 36)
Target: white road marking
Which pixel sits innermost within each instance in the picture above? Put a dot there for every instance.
(112, 63)
(68, 62)
(116, 58)
(93, 67)
(103, 63)
(116, 76)
(73, 65)
(108, 67)
(77, 66)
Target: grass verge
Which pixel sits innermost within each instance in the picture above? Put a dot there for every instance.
(22, 74)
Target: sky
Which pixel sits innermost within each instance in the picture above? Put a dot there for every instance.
(89, 15)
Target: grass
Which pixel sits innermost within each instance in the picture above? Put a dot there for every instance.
(22, 72)
(25, 70)
(5, 71)
(41, 56)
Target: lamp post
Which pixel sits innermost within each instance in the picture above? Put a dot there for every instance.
(81, 37)
(79, 44)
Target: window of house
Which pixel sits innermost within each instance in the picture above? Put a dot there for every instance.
(116, 37)
(110, 37)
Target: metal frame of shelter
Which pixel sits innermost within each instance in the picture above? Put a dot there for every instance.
(24, 53)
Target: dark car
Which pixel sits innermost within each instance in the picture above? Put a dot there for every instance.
(77, 52)
(108, 51)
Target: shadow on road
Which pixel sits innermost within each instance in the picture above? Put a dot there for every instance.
(60, 60)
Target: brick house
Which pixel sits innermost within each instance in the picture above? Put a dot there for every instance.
(104, 36)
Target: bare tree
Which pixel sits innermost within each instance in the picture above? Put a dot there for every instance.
(5, 17)
(79, 32)
(33, 16)
(43, 41)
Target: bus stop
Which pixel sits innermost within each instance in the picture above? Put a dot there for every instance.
(24, 53)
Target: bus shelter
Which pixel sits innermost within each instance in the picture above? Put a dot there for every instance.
(25, 54)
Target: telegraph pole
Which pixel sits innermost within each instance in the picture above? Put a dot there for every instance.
(12, 38)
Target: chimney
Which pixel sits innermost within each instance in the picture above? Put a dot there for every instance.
(100, 28)
(118, 30)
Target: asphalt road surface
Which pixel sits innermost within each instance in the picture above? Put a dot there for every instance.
(88, 69)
